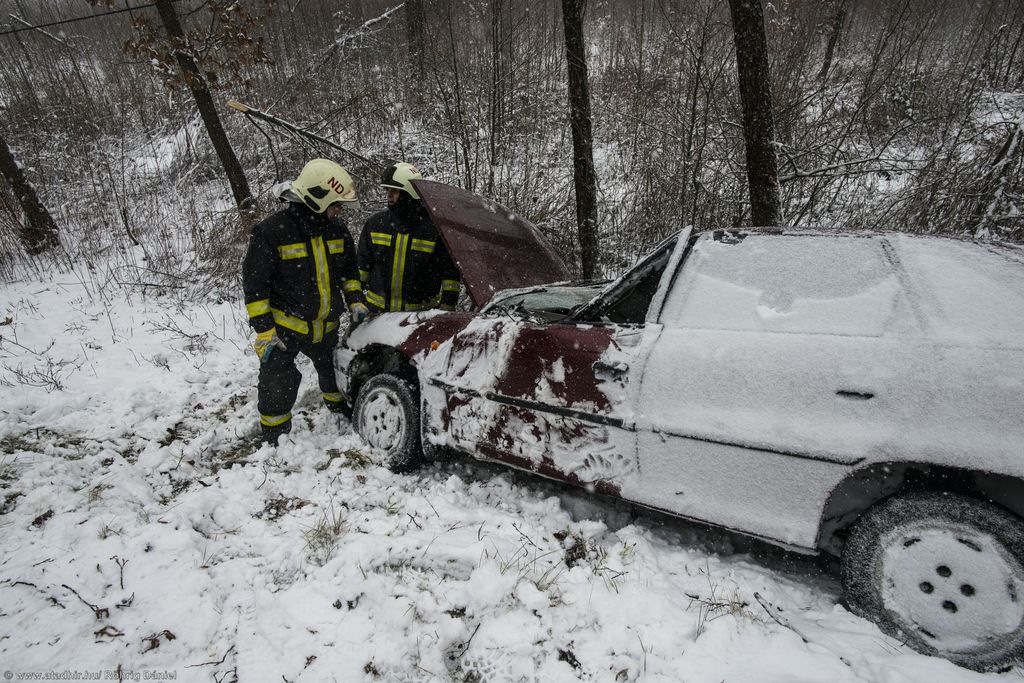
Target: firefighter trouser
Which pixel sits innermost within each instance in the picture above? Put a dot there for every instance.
(279, 380)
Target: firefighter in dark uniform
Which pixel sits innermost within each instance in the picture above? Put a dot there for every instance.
(403, 264)
(300, 265)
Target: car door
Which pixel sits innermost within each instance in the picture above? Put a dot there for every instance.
(779, 370)
(551, 398)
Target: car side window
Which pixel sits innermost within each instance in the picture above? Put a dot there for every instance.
(631, 308)
(803, 284)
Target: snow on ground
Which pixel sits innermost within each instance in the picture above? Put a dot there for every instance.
(144, 531)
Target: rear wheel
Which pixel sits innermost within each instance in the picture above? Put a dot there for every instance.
(387, 416)
(942, 572)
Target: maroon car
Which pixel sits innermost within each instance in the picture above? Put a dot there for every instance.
(854, 394)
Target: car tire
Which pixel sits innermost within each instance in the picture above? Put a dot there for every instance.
(942, 572)
(387, 416)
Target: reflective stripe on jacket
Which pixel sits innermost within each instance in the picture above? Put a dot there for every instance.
(298, 272)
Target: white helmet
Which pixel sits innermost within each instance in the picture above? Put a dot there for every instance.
(322, 183)
(397, 177)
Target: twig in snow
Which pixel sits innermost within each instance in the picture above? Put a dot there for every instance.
(46, 376)
(120, 563)
(266, 473)
(465, 646)
(216, 663)
(153, 641)
(22, 346)
(52, 600)
(525, 537)
(774, 613)
(100, 612)
(107, 631)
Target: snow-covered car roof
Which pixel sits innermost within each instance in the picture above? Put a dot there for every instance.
(952, 290)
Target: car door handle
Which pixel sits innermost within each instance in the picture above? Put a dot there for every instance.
(617, 368)
(855, 395)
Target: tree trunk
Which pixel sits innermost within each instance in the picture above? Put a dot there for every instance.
(39, 232)
(415, 18)
(758, 121)
(584, 177)
(833, 40)
(207, 110)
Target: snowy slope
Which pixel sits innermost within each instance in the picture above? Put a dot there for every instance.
(142, 529)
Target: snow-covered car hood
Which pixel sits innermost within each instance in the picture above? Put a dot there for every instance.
(494, 248)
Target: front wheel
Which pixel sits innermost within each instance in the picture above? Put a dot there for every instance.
(942, 572)
(387, 416)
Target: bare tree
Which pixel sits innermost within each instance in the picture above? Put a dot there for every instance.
(415, 20)
(833, 39)
(584, 176)
(39, 232)
(207, 110)
(758, 120)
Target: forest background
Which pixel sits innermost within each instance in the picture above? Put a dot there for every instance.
(900, 115)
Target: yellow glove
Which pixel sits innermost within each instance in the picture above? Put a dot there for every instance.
(357, 312)
(265, 343)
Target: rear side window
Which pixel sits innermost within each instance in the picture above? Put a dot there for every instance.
(787, 283)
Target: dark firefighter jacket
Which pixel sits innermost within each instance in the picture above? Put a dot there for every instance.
(296, 269)
(403, 263)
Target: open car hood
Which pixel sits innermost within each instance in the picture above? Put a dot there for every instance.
(493, 248)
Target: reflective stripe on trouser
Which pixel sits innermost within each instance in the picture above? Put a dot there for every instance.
(274, 420)
(279, 379)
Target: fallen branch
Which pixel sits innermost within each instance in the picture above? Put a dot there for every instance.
(297, 130)
(45, 33)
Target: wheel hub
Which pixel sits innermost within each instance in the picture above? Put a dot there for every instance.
(955, 585)
(382, 421)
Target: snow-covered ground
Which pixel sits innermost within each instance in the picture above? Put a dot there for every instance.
(142, 530)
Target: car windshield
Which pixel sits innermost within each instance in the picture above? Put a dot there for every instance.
(548, 303)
